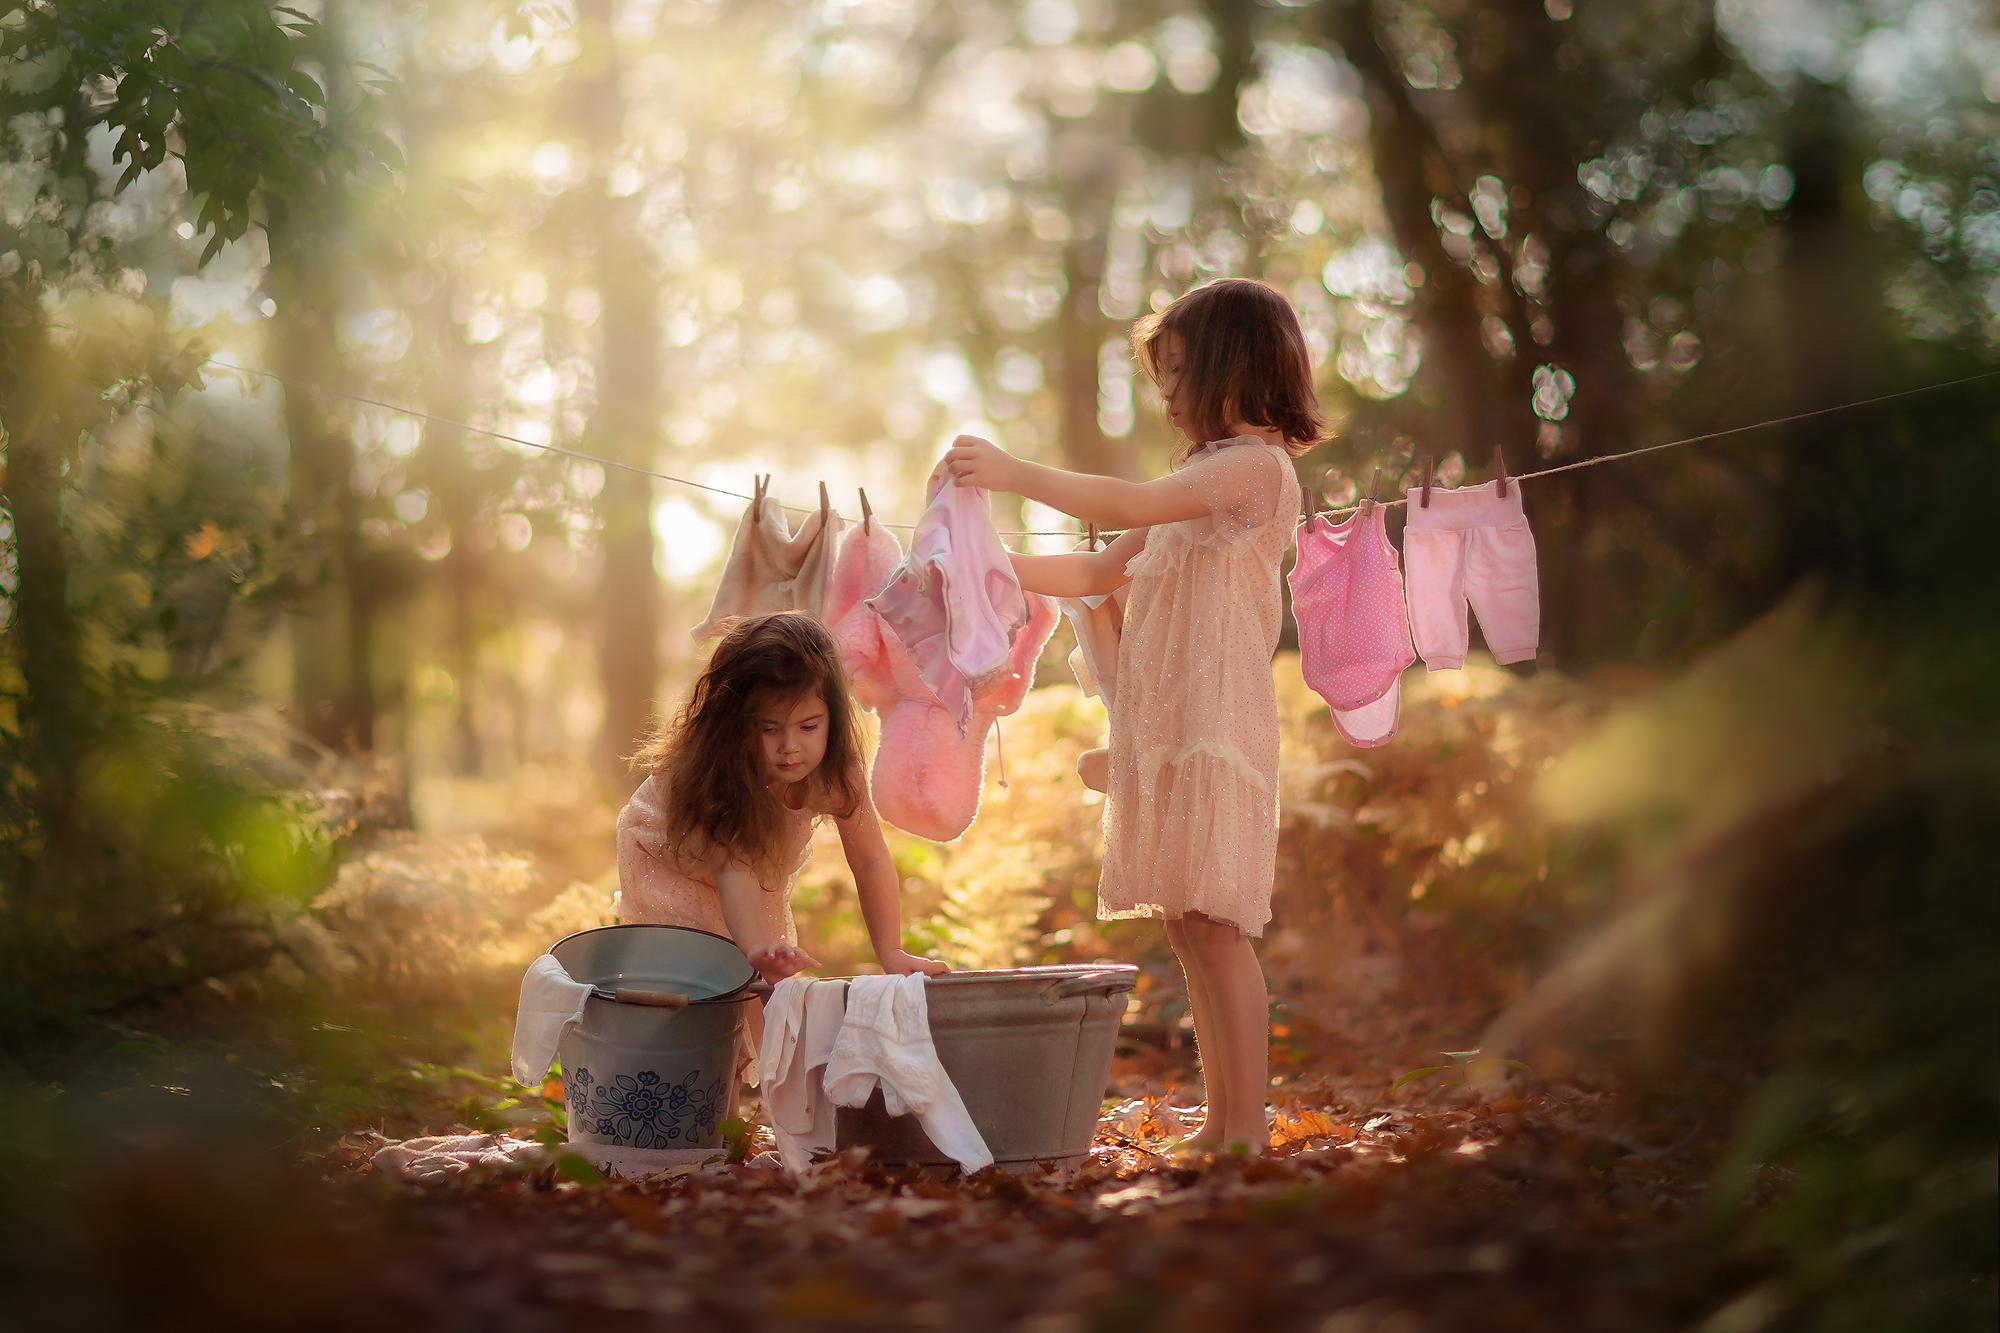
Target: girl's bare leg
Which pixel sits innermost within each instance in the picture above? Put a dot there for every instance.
(1234, 1036)
(1202, 1005)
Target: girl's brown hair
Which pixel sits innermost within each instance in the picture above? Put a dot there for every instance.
(710, 759)
(1245, 358)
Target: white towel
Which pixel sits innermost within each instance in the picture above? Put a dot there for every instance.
(452, 1154)
(551, 1004)
(801, 1022)
(885, 1042)
(449, 1154)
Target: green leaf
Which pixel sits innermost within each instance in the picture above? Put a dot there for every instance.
(574, 1166)
(302, 83)
(736, 1133)
(1415, 1074)
(384, 148)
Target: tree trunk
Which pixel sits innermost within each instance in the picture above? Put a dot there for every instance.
(463, 571)
(1080, 332)
(1457, 379)
(56, 724)
(1832, 338)
(624, 424)
(332, 689)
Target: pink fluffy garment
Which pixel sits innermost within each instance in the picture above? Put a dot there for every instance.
(927, 778)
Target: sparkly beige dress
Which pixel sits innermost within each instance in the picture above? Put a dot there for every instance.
(651, 892)
(1191, 816)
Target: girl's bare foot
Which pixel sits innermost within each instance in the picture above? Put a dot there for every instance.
(1209, 1138)
(1205, 1144)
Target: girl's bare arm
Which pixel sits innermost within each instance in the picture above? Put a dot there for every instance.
(1080, 573)
(879, 888)
(1111, 501)
(743, 912)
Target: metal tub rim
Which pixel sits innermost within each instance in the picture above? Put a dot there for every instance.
(733, 995)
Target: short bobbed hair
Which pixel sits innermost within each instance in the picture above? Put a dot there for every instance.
(709, 759)
(1245, 358)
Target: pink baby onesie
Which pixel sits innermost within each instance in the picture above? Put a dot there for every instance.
(1472, 545)
(954, 601)
(927, 775)
(1354, 639)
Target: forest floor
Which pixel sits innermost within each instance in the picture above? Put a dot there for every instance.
(1424, 1207)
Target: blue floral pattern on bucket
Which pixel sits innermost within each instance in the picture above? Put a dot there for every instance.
(641, 1111)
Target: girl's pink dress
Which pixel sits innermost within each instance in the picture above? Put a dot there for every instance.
(1191, 816)
(651, 892)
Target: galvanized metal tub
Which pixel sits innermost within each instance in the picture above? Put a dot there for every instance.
(1029, 1049)
(639, 1076)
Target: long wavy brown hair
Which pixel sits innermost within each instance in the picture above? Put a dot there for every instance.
(1245, 356)
(709, 759)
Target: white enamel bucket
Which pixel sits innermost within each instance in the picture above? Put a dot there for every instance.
(638, 1075)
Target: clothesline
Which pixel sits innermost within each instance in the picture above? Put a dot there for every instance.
(1712, 435)
(906, 527)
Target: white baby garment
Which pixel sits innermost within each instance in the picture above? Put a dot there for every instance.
(885, 1042)
(801, 1022)
(551, 1004)
(954, 601)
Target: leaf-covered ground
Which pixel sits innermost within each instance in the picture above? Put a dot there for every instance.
(1423, 1207)
(1377, 1214)
(1420, 1207)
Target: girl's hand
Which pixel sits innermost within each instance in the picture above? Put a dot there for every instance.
(775, 962)
(901, 962)
(976, 462)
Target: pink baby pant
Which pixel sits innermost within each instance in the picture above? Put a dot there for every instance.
(1471, 546)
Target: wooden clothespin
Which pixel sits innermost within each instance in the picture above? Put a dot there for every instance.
(1090, 539)
(758, 485)
(1500, 472)
(823, 505)
(1427, 482)
(1374, 490)
(867, 514)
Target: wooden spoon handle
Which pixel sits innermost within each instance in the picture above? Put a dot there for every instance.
(658, 999)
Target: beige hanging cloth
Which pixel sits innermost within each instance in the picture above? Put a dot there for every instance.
(1098, 622)
(771, 568)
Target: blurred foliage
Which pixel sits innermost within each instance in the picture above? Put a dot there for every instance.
(136, 854)
(220, 88)
(1423, 867)
(1805, 946)
(416, 918)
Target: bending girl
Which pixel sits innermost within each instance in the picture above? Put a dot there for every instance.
(764, 748)
(1191, 816)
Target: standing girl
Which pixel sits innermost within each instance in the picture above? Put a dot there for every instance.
(1191, 819)
(764, 749)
